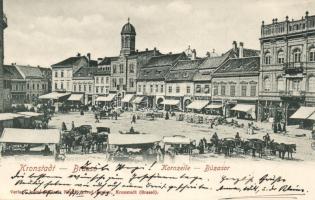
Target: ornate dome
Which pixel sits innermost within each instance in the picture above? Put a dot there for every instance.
(128, 29)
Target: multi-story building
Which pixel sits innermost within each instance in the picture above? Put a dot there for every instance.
(126, 66)
(47, 74)
(36, 83)
(287, 73)
(179, 82)
(62, 71)
(235, 87)
(5, 97)
(151, 79)
(102, 77)
(17, 84)
(83, 84)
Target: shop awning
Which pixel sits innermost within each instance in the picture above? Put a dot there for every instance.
(198, 104)
(214, 106)
(128, 139)
(53, 95)
(138, 100)
(303, 113)
(30, 136)
(9, 116)
(127, 98)
(244, 108)
(109, 97)
(31, 114)
(76, 97)
(177, 139)
(171, 102)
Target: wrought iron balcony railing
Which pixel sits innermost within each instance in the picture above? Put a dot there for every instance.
(293, 68)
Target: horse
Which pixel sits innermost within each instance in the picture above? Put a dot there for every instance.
(258, 146)
(286, 148)
(227, 146)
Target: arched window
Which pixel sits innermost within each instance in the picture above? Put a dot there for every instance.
(297, 55)
(280, 84)
(267, 84)
(311, 84)
(280, 57)
(312, 54)
(267, 58)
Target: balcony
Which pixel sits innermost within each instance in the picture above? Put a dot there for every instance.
(292, 95)
(293, 68)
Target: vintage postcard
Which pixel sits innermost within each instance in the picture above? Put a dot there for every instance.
(155, 100)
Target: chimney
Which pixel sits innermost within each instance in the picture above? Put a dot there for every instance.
(78, 55)
(208, 54)
(146, 49)
(154, 51)
(234, 44)
(170, 53)
(88, 56)
(306, 14)
(241, 51)
(194, 54)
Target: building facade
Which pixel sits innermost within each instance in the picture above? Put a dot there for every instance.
(17, 84)
(287, 74)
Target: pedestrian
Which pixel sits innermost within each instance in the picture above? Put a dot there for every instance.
(284, 129)
(279, 127)
(72, 125)
(167, 116)
(274, 126)
(133, 119)
(96, 118)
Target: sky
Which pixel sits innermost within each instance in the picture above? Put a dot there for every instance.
(44, 32)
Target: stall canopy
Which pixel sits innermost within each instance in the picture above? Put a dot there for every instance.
(109, 97)
(198, 104)
(127, 98)
(76, 97)
(30, 136)
(303, 113)
(171, 102)
(53, 95)
(214, 106)
(129, 139)
(178, 139)
(31, 114)
(138, 99)
(9, 116)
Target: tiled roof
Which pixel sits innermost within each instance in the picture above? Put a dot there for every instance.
(240, 66)
(102, 72)
(29, 71)
(203, 75)
(213, 62)
(107, 60)
(11, 72)
(163, 60)
(69, 62)
(184, 70)
(158, 66)
(85, 73)
(93, 63)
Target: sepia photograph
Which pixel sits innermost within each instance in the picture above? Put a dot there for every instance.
(169, 99)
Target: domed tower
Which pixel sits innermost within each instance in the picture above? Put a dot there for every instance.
(128, 39)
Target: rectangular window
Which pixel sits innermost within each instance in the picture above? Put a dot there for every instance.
(102, 79)
(131, 82)
(207, 89)
(114, 82)
(222, 90)
(151, 88)
(97, 89)
(56, 74)
(162, 88)
(121, 68)
(84, 88)
(198, 88)
(79, 88)
(139, 88)
(312, 56)
(156, 88)
(177, 89)
(74, 88)
(215, 90)
(253, 90)
(107, 79)
(131, 68)
(61, 74)
(102, 89)
(144, 88)
(96, 79)
(114, 69)
(243, 90)
(121, 81)
(90, 88)
(232, 90)
(188, 89)
(169, 89)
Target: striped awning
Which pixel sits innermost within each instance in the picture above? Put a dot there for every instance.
(76, 97)
(171, 102)
(303, 113)
(53, 95)
(107, 98)
(127, 98)
(214, 106)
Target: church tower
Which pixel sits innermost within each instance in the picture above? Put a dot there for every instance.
(128, 39)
